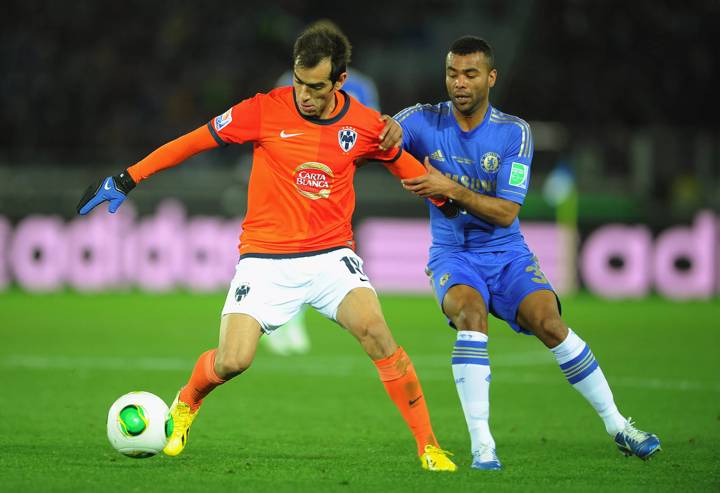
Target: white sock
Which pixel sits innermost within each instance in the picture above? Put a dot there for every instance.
(583, 372)
(471, 369)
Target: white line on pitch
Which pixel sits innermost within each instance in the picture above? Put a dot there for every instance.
(430, 368)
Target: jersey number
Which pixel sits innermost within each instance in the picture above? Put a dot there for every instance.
(353, 265)
(539, 276)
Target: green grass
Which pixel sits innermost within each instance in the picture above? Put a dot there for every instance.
(322, 422)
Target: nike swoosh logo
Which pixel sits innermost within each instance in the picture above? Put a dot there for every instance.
(287, 136)
(107, 185)
(415, 400)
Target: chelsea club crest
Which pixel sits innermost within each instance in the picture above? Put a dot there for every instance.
(490, 162)
(347, 136)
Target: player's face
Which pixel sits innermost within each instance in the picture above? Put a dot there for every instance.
(313, 90)
(468, 79)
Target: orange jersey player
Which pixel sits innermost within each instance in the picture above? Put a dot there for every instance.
(296, 247)
(301, 196)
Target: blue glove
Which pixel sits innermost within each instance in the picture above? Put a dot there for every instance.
(113, 189)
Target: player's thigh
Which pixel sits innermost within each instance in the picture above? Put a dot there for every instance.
(466, 308)
(341, 291)
(239, 336)
(461, 292)
(360, 313)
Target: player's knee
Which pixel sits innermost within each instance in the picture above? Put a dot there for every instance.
(471, 317)
(376, 339)
(228, 366)
(551, 330)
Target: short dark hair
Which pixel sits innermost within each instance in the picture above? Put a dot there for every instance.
(472, 44)
(320, 40)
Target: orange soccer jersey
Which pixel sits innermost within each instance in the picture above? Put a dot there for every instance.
(300, 196)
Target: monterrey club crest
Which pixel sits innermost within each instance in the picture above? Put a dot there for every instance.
(347, 136)
(241, 292)
(314, 180)
(490, 162)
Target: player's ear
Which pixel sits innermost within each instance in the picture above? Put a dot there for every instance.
(492, 77)
(341, 80)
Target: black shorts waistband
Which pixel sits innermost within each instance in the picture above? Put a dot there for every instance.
(292, 255)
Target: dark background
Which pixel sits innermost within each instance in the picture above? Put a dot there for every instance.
(624, 92)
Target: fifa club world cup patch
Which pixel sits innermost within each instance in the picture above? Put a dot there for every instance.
(518, 175)
(347, 137)
(314, 180)
(223, 120)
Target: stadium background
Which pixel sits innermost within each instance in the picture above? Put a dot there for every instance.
(622, 94)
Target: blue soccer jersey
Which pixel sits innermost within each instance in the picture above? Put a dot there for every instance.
(493, 159)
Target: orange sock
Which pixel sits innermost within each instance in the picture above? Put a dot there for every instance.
(401, 382)
(202, 381)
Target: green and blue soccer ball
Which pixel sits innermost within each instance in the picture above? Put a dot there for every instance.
(139, 424)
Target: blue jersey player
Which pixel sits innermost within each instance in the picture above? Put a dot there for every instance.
(480, 158)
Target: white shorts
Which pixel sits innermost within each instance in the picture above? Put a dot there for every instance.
(272, 290)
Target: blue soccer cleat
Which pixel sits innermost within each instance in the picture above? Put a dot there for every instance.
(632, 441)
(486, 459)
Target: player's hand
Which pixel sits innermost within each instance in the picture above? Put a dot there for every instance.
(391, 135)
(113, 189)
(434, 185)
(431, 184)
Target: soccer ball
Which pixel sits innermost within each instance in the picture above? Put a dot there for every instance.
(139, 424)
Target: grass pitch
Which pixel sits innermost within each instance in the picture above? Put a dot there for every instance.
(322, 421)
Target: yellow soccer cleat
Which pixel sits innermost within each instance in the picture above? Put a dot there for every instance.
(436, 459)
(182, 419)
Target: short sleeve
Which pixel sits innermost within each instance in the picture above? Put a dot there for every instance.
(514, 175)
(408, 120)
(239, 124)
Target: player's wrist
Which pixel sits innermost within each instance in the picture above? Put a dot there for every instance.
(457, 192)
(124, 182)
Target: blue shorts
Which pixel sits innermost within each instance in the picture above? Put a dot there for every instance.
(503, 279)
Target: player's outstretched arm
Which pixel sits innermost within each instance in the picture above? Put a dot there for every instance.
(114, 189)
(495, 210)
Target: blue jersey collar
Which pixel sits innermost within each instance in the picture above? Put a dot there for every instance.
(471, 133)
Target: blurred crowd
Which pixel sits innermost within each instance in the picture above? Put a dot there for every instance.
(87, 82)
(96, 78)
